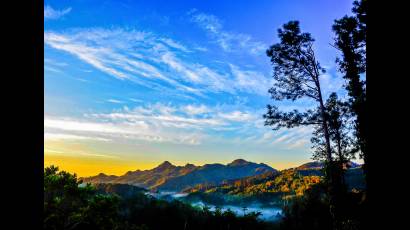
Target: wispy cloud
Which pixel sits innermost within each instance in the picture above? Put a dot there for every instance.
(50, 13)
(189, 124)
(250, 80)
(195, 109)
(76, 153)
(115, 101)
(184, 124)
(154, 61)
(61, 136)
(228, 41)
(174, 44)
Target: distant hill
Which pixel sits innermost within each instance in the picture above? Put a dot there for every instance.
(168, 177)
(123, 190)
(282, 185)
(319, 165)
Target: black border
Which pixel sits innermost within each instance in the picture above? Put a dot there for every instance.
(24, 110)
(23, 89)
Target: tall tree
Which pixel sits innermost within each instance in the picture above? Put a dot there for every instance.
(297, 75)
(343, 146)
(350, 39)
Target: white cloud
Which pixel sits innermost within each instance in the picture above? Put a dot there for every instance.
(185, 124)
(174, 44)
(330, 84)
(74, 153)
(237, 116)
(115, 101)
(170, 59)
(251, 80)
(228, 41)
(190, 124)
(50, 13)
(143, 58)
(62, 136)
(194, 109)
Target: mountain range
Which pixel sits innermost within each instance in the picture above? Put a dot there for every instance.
(168, 177)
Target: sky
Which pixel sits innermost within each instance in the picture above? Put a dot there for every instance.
(130, 84)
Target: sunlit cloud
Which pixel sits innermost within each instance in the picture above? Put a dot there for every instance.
(62, 136)
(76, 153)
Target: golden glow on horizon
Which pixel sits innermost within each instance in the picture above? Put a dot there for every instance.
(85, 161)
(90, 166)
(85, 166)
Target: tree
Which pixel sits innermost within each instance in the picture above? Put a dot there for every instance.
(343, 148)
(63, 198)
(297, 74)
(338, 119)
(350, 39)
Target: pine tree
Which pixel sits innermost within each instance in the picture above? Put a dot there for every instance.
(350, 39)
(297, 75)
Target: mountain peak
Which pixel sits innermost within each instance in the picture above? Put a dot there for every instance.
(238, 162)
(189, 165)
(165, 164)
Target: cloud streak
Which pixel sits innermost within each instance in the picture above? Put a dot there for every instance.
(50, 13)
(155, 62)
(228, 41)
(190, 124)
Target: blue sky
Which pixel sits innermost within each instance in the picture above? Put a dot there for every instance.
(184, 81)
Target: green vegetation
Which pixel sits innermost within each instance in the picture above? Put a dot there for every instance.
(311, 211)
(68, 204)
(269, 189)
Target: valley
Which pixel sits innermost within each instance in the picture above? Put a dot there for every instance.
(240, 186)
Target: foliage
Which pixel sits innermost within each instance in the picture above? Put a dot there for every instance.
(311, 211)
(70, 205)
(270, 189)
(342, 143)
(350, 39)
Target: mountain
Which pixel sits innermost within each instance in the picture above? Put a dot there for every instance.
(319, 165)
(216, 174)
(270, 186)
(311, 165)
(168, 177)
(123, 190)
(146, 178)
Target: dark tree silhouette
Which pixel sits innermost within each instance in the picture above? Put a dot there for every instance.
(297, 74)
(343, 148)
(350, 39)
(338, 119)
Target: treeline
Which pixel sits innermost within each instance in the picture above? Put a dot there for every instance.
(69, 204)
(270, 189)
(340, 126)
(289, 182)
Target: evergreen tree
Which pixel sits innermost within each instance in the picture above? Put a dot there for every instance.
(343, 148)
(297, 74)
(350, 39)
(343, 145)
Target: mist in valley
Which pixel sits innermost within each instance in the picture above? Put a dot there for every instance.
(267, 213)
